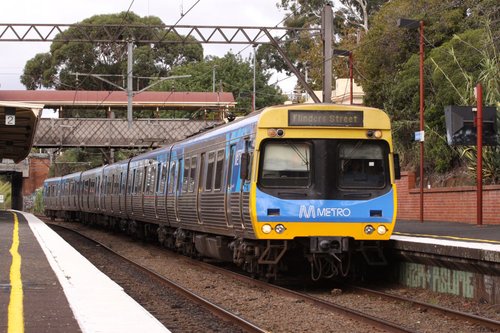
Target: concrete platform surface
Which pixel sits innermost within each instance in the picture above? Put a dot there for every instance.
(47, 286)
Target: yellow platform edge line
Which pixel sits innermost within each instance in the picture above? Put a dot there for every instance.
(449, 237)
(15, 310)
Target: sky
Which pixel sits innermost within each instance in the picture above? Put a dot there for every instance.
(13, 55)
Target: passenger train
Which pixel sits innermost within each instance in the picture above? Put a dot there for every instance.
(287, 188)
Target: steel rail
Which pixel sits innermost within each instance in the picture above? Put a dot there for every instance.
(490, 323)
(348, 312)
(212, 307)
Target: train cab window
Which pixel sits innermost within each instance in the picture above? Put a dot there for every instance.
(361, 165)
(219, 169)
(210, 171)
(286, 164)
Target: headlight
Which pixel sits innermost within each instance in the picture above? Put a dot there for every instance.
(381, 229)
(280, 228)
(266, 228)
(369, 230)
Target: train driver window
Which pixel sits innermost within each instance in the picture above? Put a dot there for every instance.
(286, 164)
(361, 165)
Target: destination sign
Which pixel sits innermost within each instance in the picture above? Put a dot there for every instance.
(325, 118)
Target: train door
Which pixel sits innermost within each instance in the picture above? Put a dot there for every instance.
(244, 178)
(120, 194)
(200, 186)
(144, 179)
(229, 185)
(156, 185)
(177, 189)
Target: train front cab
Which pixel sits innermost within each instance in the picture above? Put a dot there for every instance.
(323, 177)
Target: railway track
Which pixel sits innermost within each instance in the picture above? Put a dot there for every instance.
(486, 322)
(320, 302)
(213, 308)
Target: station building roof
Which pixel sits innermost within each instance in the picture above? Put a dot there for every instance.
(146, 99)
(16, 139)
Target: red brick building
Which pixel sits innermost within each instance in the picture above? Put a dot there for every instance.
(454, 204)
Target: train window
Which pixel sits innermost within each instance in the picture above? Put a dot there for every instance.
(117, 184)
(158, 176)
(178, 179)
(219, 169)
(145, 179)
(171, 177)
(361, 165)
(150, 179)
(163, 178)
(120, 188)
(286, 164)
(210, 171)
(185, 176)
(232, 150)
(131, 185)
(192, 174)
(137, 182)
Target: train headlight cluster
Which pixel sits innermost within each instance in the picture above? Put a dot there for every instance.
(381, 229)
(374, 134)
(267, 228)
(275, 132)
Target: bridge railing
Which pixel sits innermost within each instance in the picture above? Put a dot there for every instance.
(114, 133)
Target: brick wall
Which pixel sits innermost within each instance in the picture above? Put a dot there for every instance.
(38, 172)
(454, 204)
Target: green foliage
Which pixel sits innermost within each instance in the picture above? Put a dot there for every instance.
(38, 206)
(5, 189)
(459, 52)
(54, 69)
(74, 160)
(232, 74)
(491, 163)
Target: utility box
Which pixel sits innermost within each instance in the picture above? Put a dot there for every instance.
(460, 129)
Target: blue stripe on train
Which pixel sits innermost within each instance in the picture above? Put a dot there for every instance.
(272, 209)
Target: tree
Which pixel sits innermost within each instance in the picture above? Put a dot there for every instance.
(55, 69)
(458, 51)
(233, 74)
(306, 51)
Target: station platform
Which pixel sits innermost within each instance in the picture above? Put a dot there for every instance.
(462, 232)
(449, 257)
(468, 242)
(460, 239)
(47, 286)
